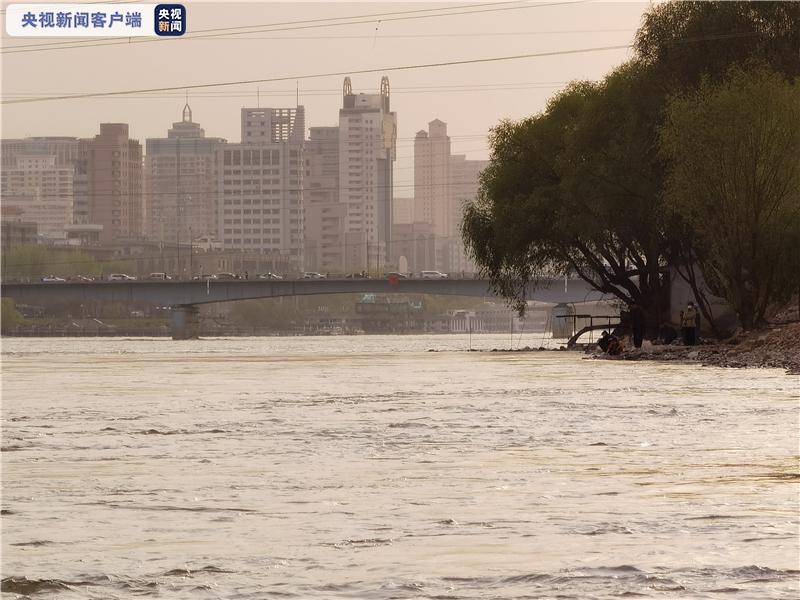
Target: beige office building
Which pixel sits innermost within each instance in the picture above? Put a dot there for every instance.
(112, 165)
(367, 150)
(260, 185)
(443, 183)
(325, 216)
(41, 190)
(181, 183)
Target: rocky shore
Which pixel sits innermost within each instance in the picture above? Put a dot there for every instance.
(776, 347)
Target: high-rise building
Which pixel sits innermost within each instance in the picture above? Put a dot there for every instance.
(403, 211)
(260, 185)
(64, 149)
(443, 183)
(463, 188)
(324, 214)
(65, 154)
(113, 171)
(41, 190)
(367, 149)
(432, 178)
(180, 180)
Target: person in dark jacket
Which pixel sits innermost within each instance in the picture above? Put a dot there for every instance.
(637, 324)
(604, 341)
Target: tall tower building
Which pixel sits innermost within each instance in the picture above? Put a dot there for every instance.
(113, 171)
(260, 185)
(463, 188)
(324, 214)
(367, 150)
(181, 183)
(442, 185)
(432, 178)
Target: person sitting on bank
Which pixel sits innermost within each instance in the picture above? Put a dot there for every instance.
(615, 346)
(604, 341)
(690, 319)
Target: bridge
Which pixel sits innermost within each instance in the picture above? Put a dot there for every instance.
(184, 297)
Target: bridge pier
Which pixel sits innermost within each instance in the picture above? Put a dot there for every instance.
(185, 322)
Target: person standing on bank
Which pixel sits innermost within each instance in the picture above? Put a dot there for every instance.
(637, 324)
(689, 321)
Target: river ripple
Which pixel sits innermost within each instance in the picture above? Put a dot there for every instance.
(367, 467)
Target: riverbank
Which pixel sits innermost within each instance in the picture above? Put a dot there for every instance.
(776, 347)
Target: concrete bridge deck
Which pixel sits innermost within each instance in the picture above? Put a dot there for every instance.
(176, 293)
(185, 296)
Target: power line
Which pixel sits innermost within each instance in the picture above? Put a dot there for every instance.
(289, 26)
(320, 75)
(249, 93)
(336, 90)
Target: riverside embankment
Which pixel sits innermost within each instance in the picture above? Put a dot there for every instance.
(775, 347)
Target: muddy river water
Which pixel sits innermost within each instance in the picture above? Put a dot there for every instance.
(370, 467)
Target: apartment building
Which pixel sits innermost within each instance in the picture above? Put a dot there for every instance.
(41, 190)
(260, 185)
(443, 183)
(324, 214)
(180, 179)
(39, 178)
(111, 163)
(367, 150)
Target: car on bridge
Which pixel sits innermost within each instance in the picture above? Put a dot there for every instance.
(397, 275)
(121, 277)
(227, 276)
(312, 275)
(52, 279)
(203, 276)
(433, 275)
(269, 276)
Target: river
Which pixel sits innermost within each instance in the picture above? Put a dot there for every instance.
(370, 467)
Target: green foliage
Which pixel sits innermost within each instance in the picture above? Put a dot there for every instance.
(575, 190)
(686, 41)
(734, 149)
(38, 261)
(35, 262)
(10, 317)
(579, 188)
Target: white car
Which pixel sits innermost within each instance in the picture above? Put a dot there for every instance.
(52, 279)
(121, 277)
(432, 275)
(312, 275)
(269, 276)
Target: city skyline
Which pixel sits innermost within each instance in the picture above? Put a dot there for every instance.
(470, 98)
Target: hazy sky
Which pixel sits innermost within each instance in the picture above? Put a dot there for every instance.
(469, 98)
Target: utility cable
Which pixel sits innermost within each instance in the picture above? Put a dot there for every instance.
(320, 75)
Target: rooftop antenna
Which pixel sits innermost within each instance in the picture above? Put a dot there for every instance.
(187, 111)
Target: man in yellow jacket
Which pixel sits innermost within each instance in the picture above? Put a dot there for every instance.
(690, 320)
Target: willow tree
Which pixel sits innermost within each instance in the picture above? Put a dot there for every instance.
(575, 190)
(734, 152)
(687, 41)
(579, 188)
